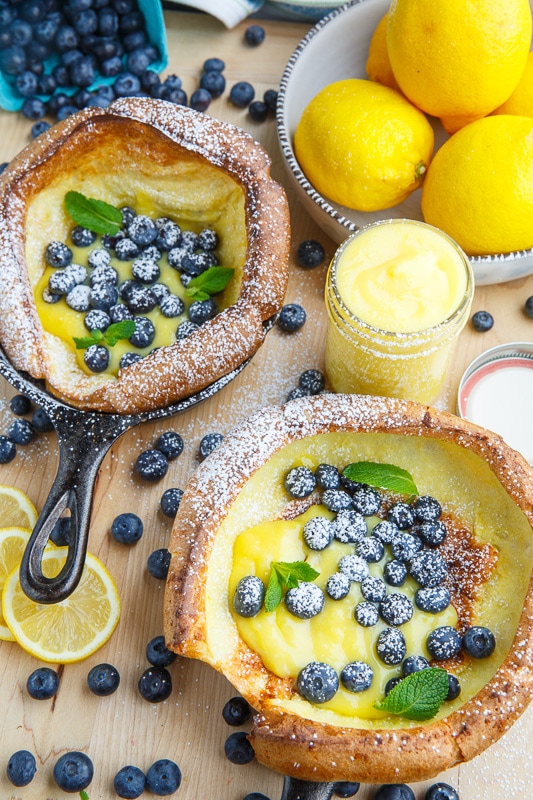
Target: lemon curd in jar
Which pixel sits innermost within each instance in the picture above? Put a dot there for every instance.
(398, 294)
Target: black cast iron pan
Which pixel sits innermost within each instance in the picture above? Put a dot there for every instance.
(84, 438)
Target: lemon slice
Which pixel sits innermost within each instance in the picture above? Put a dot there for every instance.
(13, 542)
(72, 629)
(16, 509)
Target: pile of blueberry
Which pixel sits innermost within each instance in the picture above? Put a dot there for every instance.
(96, 291)
(405, 541)
(152, 464)
(57, 50)
(22, 431)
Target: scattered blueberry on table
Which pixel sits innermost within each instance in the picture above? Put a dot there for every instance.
(163, 777)
(482, 321)
(103, 679)
(155, 684)
(254, 35)
(291, 317)
(158, 563)
(310, 254)
(43, 683)
(151, 465)
(238, 749)
(394, 791)
(346, 788)
(236, 711)
(170, 501)
(127, 528)
(21, 768)
(208, 443)
(158, 654)
(73, 771)
(129, 782)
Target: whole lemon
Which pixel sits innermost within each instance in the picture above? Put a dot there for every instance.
(363, 145)
(458, 58)
(378, 67)
(479, 186)
(521, 100)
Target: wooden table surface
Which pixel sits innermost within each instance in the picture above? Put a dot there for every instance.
(188, 728)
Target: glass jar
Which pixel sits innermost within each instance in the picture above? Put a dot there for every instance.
(364, 359)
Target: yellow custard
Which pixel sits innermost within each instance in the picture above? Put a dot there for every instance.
(398, 294)
(286, 643)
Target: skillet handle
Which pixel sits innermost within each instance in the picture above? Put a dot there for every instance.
(294, 789)
(84, 440)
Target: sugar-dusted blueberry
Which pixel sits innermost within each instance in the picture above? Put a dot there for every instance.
(396, 609)
(479, 642)
(79, 298)
(58, 254)
(292, 317)
(163, 777)
(337, 500)
(145, 269)
(405, 546)
(129, 782)
(354, 567)
(433, 600)
(373, 588)
(390, 646)
(96, 358)
(366, 614)
(249, 596)
(337, 586)
(238, 749)
(158, 563)
(158, 654)
(349, 526)
(139, 299)
(64, 280)
(208, 239)
(454, 687)
(304, 601)
(209, 442)
(73, 771)
(427, 508)
(346, 788)
(21, 767)
(428, 568)
(201, 311)
(96, 319)
(168, 234)
(129, 358)
(386, 531)
(366, 500)
(317, 682)
(43, 683)
(395, 572)
(299, 482)
(155, 684)
(20, 404)
(296, 393)
(318, 533)
(391, 683)
(151, 465)
(312, 380)
(310, 254)
(171, 306)
(482, 321)
(241, 94)
(371, 549)
(103, 296)
(327, 476)
(443, 642)
(357, 676)
(254, 35)
(432, 533)
(170, 501)
(103, 679)
(414, 664)
(402, 514)
(127, 528)
(236, 711)
(441, 791)
(144, 332)
(82, 237)
(185, 329)
(170, 443)
(21, 431)
(394, 791)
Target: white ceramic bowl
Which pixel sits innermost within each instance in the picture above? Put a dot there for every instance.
(337, 48)
(300, 10)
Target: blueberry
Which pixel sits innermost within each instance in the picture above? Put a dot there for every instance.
(296, 393)
(255, 796)
(345, 788)
(394, 791)
(97, 320)
(8, 450)
(133, 41)
(43, 683)
(327, 476)
(395, 573)
(357, 676)
(163, 777)
(129, 782)
(528, 307)
(371, 549)
(82, 237)
(158, 563)
(103, 679)
(414, 664)
(318, 533)
(155, 684)
(291, 317)
(61, 535)
(304, 601)
(96, 358)
(144, 332)
(168, 234)
(391, 683)
(427, 509)
(176, 96)
(402, 515)
(482, 321)
(337, 500)
(20, 405)
(366, 614)
(110, 68)
(171, 306)
(128, 215)
(21, 431)
(431, 533)
(170, 443)
(366, 500)
(391, 646)
(441, 791)
(26, 83)
(396, 609)
(385, 531)
(83, 72)
(254, 35)
(337, 586)
(349, 526)
(444, 642)
(139, 299)
(158, 654)
(208, 443)
(238, 749)
(213, 82)
(478, 642)
(127, 85)
(428, 568)
(191, 264)
(249, 596)
(208, 239)
(354, 567)
(79, 298)
(317, 682)
(201, 311)
(33, 108)
(299, 482)
(241, 94)
(236, 711)
(312, 380)
(21, 768)
(170, 501)
(454, 688)
(13, 60)
(129, 358)
(215, 64)
(433, 600)
(405, 546)
(270, 97)
(127, 528)
(41, 421)
(73, 771)
(138, 61)
(258, 111)
(373, 589)
(310, 254)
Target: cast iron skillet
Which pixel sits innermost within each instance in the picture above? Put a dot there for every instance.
(84, 438)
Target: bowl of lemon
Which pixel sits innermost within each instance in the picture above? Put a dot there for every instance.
(379, 119)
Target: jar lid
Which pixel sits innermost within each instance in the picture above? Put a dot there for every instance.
(496, 392)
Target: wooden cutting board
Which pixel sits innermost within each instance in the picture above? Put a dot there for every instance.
(188, 728)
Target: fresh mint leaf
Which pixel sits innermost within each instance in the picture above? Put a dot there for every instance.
(286, 575)
(212, 281)
(418, 696)
(96, 215)
(84, 795)
(384, 476)
(119, 330)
